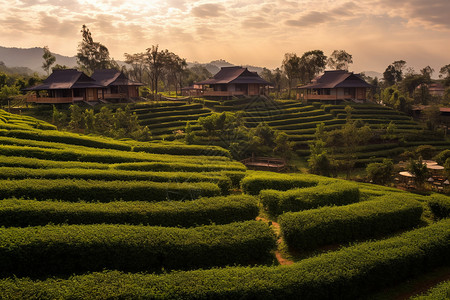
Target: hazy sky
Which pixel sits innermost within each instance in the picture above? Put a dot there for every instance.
(255, 32)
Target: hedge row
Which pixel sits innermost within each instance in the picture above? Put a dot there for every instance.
(349, 273)
(309, 125)
(151, 122)
(68, 249)
(217, 210)
(105, 191)
(256, 181)
(329, 225)
(439, 292)
(183, 107)
(180, 149)
(375, 116)
(181, 166)
(221, 180)
(440, 206)
(286, 116)
(339, 193)
(173, 113)
(27, 162)
(66, 138)
(101, 156)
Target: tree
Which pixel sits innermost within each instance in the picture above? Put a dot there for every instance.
(380, 173)
(422, 95)
(291, 67)
(432, 117)
(155, 62)
(339, 60)
(76, 122)
(394, 72)
(426, 73)
(319, 161)
(92, 55)
(419, 170)
(49, 59)
(444, 72)
(175, 67)
(311, 64)
(137, 63)
(283, 146)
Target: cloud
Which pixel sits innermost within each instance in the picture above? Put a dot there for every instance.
(434, 13)
(342, 12)
(256, 22)
(208, 10)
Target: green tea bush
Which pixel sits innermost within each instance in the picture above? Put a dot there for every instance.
(440, 206)
(217, 210)
(339, 193)
(328, 225)
(256, 181)
(68, 249)
(348, 273)
(221, 180)
(181, 166)
(181, 149)
(34, 163)
(439, 292)
(105, 191)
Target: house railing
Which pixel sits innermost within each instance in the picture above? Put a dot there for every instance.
(50, 100)
(115, 96)
(223, 93)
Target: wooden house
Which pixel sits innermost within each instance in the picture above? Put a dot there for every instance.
(232, 81)
(335, 86)
(70, 85)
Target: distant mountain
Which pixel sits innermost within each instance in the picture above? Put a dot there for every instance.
(31, 58)
(214, 66)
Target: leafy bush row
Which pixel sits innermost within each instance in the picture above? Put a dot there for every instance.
(257, 181)
(439, 292)
(181, 166)
(67, 249)
(181, 149)
(101, 156)
(286, 116)
(300, 120)
(105, 191)
(440, 206)
(108, 175)
(328, 225)
(339, 193)
(309, 124)
(151, 122)
(381, 115)
(349, 273)
(66, 138)
(35, 163)
(185, 107)
(173, 113)
(217, 210)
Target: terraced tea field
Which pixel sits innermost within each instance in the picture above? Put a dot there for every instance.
(84, 217)
(297, 120)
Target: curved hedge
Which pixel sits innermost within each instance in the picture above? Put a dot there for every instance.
(181, 149)
(221, 180)
(327, 225)
(68, 249)
(257, 181)
(350, 273)
(439, 292)
(217, 210)
(105, 191)
(35, 163)
(181, 166)
(339, 193)
(440, 206)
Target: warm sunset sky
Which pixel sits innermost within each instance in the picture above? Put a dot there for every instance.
(255, 32)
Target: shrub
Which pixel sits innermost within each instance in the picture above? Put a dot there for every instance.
(339, 193)
(187, 166)
(380, 173)
(350, 273)
(257, 181)
(218, 210)
(68, 249)
(34, 163)
(440, 206)
(439, 292)
(328, 225)
(442, 156)
(105, 191)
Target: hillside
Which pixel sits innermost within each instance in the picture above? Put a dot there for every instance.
(297, 120)
(127, 219)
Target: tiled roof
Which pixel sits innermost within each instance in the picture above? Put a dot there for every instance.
(336, 79)
(234, 75)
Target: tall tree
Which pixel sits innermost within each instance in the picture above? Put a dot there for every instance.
(291, 67)
(137, 63)
(427, 72)
(92, 55)
(49, 60)
(339, 60)
(155, 63)
(394, 72)
(311, 64)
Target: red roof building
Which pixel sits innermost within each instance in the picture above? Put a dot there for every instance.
(70, 85)
(233, 81)
(335, 86)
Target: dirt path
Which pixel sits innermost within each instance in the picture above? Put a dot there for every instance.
(276, 228)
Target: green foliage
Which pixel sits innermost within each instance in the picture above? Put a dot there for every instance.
(329, 225)
(217, 210)
(49, 59)
(419, 170)
(440, 206)
(105, 191)
(438, 292)
(380, 173)
(351, 272)
(396, 99)
(441, 157)
(68, 249)
(255, 182)
(339, 193)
